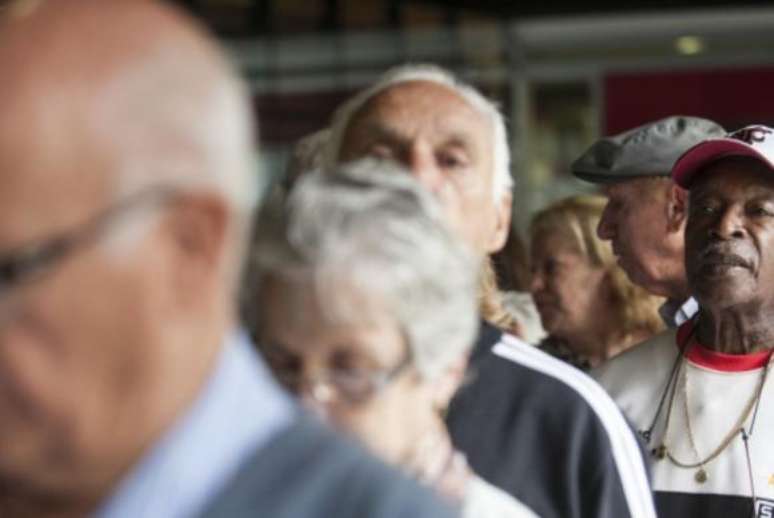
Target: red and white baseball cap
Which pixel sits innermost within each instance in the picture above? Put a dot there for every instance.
(752, 141)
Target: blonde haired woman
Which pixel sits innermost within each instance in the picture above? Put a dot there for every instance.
(587, 304)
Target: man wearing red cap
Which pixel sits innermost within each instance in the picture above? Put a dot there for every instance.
(701, 395)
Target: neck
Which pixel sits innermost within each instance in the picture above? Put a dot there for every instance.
(735, 332)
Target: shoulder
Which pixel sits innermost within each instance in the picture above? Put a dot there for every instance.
(521, 376)
(575, 390)
(639, 367)
(573, 394)
(536, 411)
(309, 471)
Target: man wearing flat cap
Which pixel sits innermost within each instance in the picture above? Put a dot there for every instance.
(645, 215)
(701, 395)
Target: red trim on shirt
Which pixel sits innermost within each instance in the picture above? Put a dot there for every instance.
(705, 357)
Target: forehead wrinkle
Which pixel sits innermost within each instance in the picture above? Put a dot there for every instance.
(718, 179)
(378, 130)
(396, 99)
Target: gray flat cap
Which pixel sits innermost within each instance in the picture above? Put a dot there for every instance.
(648, 150)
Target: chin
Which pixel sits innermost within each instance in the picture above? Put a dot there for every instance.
(723, 295)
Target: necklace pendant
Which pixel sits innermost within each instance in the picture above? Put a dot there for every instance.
(701, 476)
(659, 452)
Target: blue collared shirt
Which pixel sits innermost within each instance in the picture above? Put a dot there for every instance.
(239, 409)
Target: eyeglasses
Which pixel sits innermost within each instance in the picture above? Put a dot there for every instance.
(28, 262)
(351, 386)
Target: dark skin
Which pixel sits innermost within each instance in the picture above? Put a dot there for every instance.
(729, 255)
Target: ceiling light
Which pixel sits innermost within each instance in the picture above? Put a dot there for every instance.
(689, 45)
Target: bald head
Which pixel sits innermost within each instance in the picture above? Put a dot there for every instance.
(140, 91)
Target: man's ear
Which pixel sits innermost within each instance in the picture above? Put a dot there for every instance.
(198, 226)
(502, 223)
(677, 207)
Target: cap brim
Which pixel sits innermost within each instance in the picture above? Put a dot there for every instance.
(606, 179)
(695, 159)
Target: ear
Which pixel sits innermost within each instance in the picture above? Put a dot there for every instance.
(198, 226)
(677, 207)
(502, 223)
(447, 383)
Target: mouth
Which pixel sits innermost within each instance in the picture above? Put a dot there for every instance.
(718, 262)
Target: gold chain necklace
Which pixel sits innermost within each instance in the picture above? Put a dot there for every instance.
(701, 475)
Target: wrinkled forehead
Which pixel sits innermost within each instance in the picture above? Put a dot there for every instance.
(413, 107)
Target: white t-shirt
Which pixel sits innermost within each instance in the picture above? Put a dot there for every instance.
(719, 387)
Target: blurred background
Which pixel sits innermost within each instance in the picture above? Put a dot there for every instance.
(563, 72)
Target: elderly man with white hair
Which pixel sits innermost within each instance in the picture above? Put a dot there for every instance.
(531, 425)
(126, 388)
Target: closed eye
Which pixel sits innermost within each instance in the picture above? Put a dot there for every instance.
(454, 158)
(381, 151)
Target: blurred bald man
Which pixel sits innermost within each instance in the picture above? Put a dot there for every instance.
(126, 188)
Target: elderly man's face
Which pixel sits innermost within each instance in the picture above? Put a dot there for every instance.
(635, 222)
(93, 350)
(77, 338)
(446, 143)
(729, 236)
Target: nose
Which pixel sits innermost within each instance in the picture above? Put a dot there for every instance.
(314, 386)
(423, 166)
(729, 224)
(606, 226)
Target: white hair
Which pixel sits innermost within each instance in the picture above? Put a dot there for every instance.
(367, 231)
(502, 179)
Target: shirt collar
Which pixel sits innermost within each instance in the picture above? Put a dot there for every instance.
(238, 410)
(675, 313)
(703, 356)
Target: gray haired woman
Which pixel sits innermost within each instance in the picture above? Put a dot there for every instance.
(365, 307)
